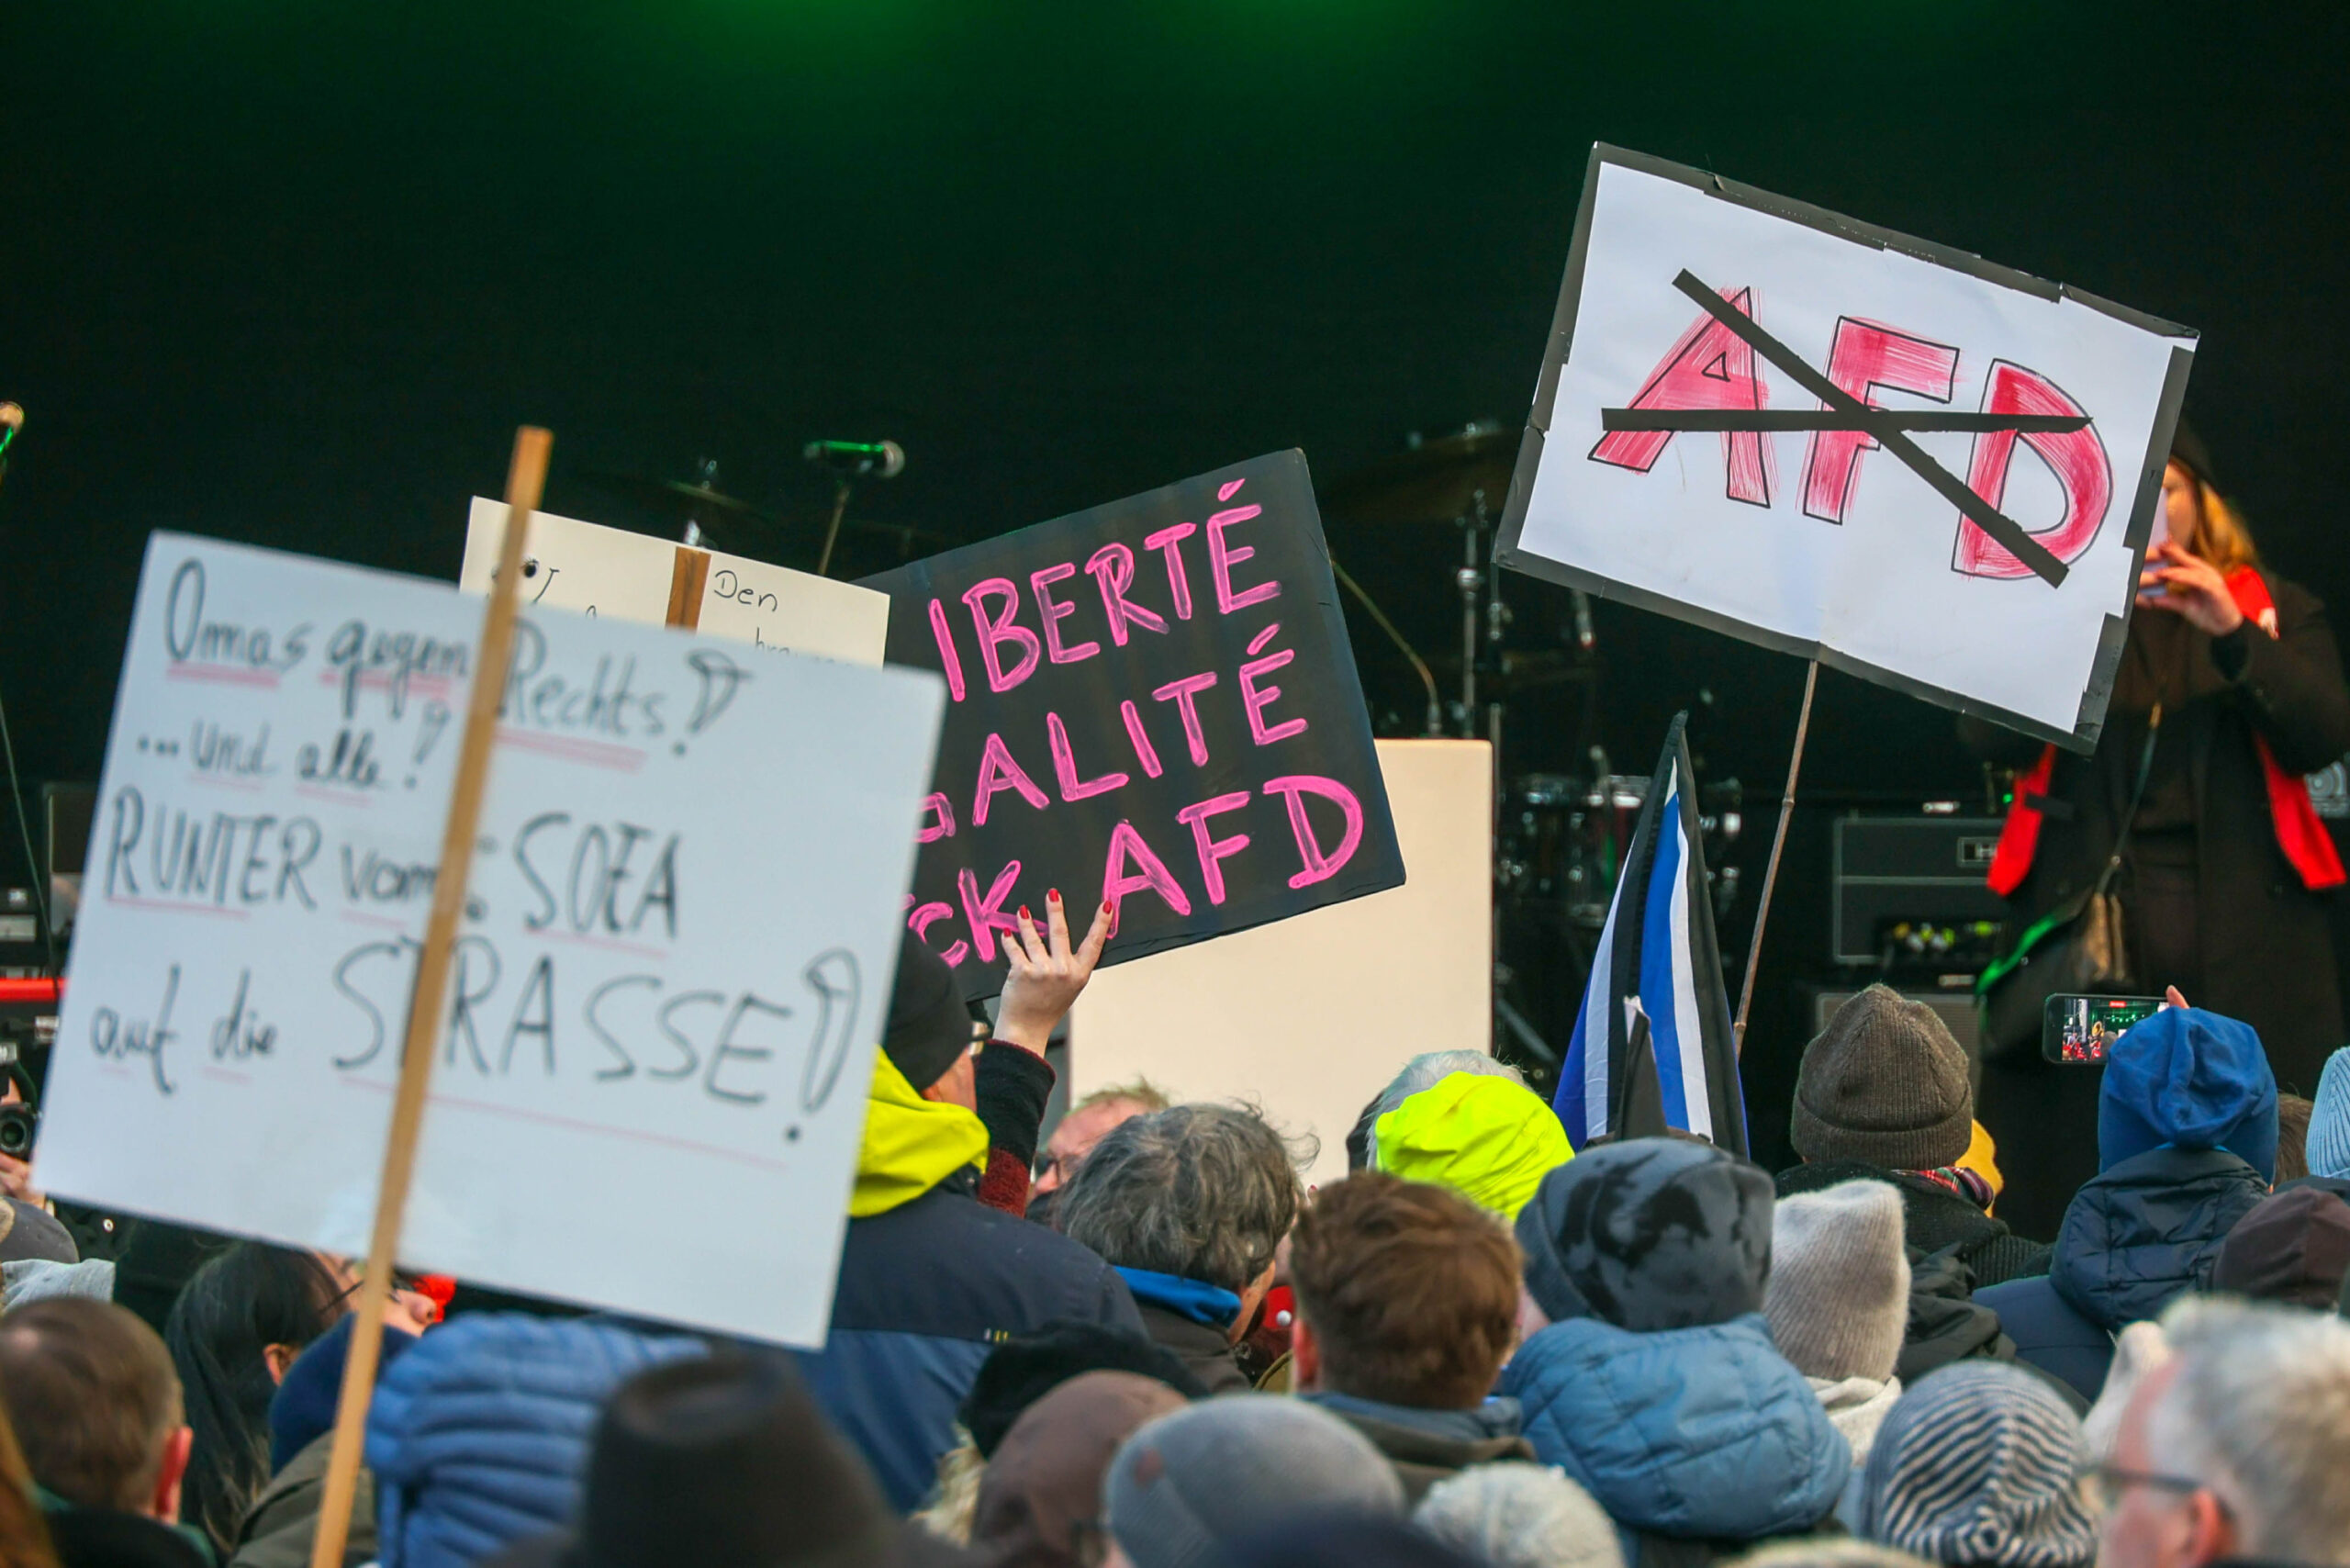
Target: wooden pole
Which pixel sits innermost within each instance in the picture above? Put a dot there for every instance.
(1778, 843)
(523, 482)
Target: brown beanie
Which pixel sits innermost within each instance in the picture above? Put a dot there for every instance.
(1885, 1083)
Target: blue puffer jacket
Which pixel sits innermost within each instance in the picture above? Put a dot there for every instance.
(478, 1435)
(2135, 1239)
(1694, 1433)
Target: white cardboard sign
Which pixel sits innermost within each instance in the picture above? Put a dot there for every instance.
(683, 920)
(1698, 315)
(610, 572)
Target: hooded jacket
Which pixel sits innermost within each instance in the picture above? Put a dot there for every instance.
(1656, 1387)
(929, 1280)
(478, 1436)
(1426, 1446)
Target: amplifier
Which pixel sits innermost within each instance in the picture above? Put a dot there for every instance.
(1916, 869)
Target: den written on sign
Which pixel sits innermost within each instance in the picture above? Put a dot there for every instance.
(1152, 702)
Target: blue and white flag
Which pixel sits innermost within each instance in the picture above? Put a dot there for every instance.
(1653, 1046)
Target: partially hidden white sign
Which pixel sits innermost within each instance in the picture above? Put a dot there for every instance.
(683, 920)
(1840, 442)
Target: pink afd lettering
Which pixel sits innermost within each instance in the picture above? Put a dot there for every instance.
(2077, 458)
(999, 771)
(929, 915)
(1862, 357)
(1709, 367)
(1320, 865)
(947, 656)
(1053, 612)
(985, 916)
(1112, 566)
(1065, 765)
(941, 812)
(1145, 753)
(1184, 693)
(1150, 872)
(1213, 851)
(1223, 555)
(996, 630)
(1254, 702)
(1169, 540)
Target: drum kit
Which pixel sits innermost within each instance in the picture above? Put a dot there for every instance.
(1558, 837)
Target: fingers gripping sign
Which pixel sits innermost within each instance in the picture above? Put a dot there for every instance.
(1047, 973)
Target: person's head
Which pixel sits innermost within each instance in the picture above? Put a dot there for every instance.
(1839, 1293)
(303, 1408)
(2327, 1149)
(1201, 1192)
(237, 1327)
(1191, 1482)
(1423, 1071)
(2293, 1114)
(1041, 1497)
(1086, 1123)
(2196, 518)
(2293, 1247)
(1885, 1083)
(2187, 1079)
(1406, 1294)
(1979, 1466)
(1024, 1369)
(2234, 1446)
(96, 1405)
(1513, 1515)
(928, 1034)
(1825, 1551)
(1487, 1138)
(722, 1459)
(1649, 1234)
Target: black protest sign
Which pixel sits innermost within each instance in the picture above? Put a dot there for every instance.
(1153, 703)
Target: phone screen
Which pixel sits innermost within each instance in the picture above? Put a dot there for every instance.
(2080, 1030)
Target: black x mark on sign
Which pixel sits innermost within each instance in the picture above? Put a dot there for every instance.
(1846, 412)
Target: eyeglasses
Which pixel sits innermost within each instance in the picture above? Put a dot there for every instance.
(2104, 1484)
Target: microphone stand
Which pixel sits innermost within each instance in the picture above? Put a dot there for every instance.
(833, 529)
(1379, 618)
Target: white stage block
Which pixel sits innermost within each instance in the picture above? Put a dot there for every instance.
(1311, 1016)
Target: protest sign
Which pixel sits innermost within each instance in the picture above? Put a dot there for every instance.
(1843, 442)
(665, 998)
(1152, 702)
(1328, 985)
(610, 572)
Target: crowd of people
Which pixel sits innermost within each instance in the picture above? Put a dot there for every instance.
(1145, 1342)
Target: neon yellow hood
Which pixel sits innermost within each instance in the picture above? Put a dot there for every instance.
(911, 1144)
(1488, 1140)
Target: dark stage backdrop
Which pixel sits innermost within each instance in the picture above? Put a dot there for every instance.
(291, 272)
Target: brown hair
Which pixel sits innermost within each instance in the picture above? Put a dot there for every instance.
(92, 1394)
(1411, 1291)
(2292, 1138)
(2220, 536)
(1142, 1091)
(24, 1533)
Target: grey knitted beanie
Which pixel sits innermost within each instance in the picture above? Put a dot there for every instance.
(1839, 1294)
(1187, 1483)
(1885, 1083)
(1980, 1464)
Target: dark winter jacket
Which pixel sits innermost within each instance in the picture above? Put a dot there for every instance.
(280, 1524)
(2134, 1241)
(1203, 1349)
(101, 1538)
(930, 1280)
(1933, 1219)
(1426, 1446)
(2268, 955)
(1948, 1322)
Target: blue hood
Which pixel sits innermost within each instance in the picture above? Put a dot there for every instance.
(2187, 1079)
(1703, 1432)
(2148, 1230)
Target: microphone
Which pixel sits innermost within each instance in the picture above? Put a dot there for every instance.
(866, 459)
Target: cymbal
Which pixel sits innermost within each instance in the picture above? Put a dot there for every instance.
(1435, 482)
(673, 497)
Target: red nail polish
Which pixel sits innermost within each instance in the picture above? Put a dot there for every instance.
(1024, 912)
(1107, 908)
(1054, 894)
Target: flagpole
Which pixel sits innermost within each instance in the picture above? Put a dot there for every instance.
(1778, 843)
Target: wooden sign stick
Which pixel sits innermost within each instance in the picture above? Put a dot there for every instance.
(1771, 871)
(523, 482)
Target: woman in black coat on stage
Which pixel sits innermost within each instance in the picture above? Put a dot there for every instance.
(2227, 865)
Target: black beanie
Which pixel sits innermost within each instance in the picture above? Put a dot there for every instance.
(929, 1026)
(2186, 447)
(1025, 1367)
